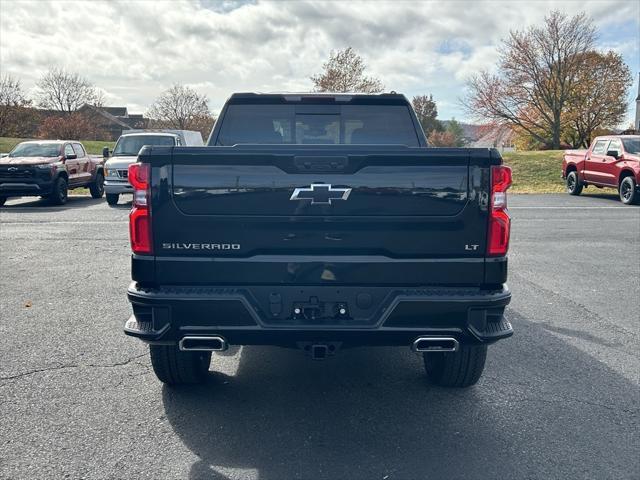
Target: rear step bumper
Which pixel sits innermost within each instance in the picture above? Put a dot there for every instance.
(285, 316)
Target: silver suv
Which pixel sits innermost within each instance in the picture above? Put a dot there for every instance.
(126, 152)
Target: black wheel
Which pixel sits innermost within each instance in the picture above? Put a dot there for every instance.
(59, 192)
(628, 191)
(112, 198)
(97, 187)
(574, 186)
(175, 367)
(2, 200)
(456, 369)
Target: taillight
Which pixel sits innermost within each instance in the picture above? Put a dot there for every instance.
(499, 220)
(139, 177)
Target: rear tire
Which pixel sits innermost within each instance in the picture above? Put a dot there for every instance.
(628, 191)
(456, 369)
(59, 192)
(112, 198)
(97, 187)
(574, 185)
(175, 367)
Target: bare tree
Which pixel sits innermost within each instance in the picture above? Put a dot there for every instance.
(344, 72)
(598, 98)
(66, 91)
(538, 70)
(427, 113)
(12, 105)
(182, 108)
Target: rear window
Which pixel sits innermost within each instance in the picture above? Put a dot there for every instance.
(340, 124)
(130, 145)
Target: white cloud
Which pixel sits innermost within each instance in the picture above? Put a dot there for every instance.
(135, 50)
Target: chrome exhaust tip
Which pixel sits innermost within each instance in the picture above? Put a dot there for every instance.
(435, 344)
(202, 344)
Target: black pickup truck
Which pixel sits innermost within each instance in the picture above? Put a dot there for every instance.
(319, 222)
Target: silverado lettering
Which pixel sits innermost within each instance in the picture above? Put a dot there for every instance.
(201, 246)
(354, 232)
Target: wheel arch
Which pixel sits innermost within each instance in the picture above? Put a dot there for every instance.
(626, 172)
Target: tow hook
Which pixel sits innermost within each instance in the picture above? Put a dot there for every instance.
(319, 351)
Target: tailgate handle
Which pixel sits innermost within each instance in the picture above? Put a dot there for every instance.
(320, 164)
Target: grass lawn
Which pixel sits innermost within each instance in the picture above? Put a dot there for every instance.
(541, 172)
(536, 172)
(94, 147)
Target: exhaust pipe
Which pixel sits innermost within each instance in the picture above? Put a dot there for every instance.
(435, 344)
(203, 344)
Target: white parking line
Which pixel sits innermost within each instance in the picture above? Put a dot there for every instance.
(546, 207)
(65, 222)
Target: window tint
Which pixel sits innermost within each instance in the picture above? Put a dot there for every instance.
(79, 150)
(68, 150)
(599, 147)
(345, 124)
(632, 145)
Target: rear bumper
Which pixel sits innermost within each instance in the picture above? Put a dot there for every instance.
(266, 315)
(111, 186)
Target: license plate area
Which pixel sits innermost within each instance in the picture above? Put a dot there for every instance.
(320, 306)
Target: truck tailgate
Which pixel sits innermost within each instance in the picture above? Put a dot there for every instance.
(320, 215)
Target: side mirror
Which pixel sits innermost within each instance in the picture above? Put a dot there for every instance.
(613, 153)
(71, 156)
(105, 152)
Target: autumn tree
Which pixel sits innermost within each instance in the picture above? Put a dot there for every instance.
(344, 72)
(427, 113)
(442, 139)
(537, 73)
(66, 91)
(13, 106)
(72, 126)
(451, 136)
(181, 108)
(598, 98)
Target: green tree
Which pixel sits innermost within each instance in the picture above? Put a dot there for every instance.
(427, 113)
(457, 132)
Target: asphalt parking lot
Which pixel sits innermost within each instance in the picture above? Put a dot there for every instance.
(560, 399)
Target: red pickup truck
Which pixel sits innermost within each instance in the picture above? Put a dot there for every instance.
(611, 161)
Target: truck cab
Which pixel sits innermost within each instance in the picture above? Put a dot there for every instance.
(126, 151)
(611, 161)
(319, 222)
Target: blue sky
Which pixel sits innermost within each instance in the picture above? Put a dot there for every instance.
(136, 49)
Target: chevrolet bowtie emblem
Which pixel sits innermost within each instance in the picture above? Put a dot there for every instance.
(320, 193)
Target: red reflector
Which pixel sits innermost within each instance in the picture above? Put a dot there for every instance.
(140, 230)
(499, 220)
(499, 230)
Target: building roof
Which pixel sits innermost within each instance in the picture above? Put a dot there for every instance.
(116, 111)
(103, 111)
